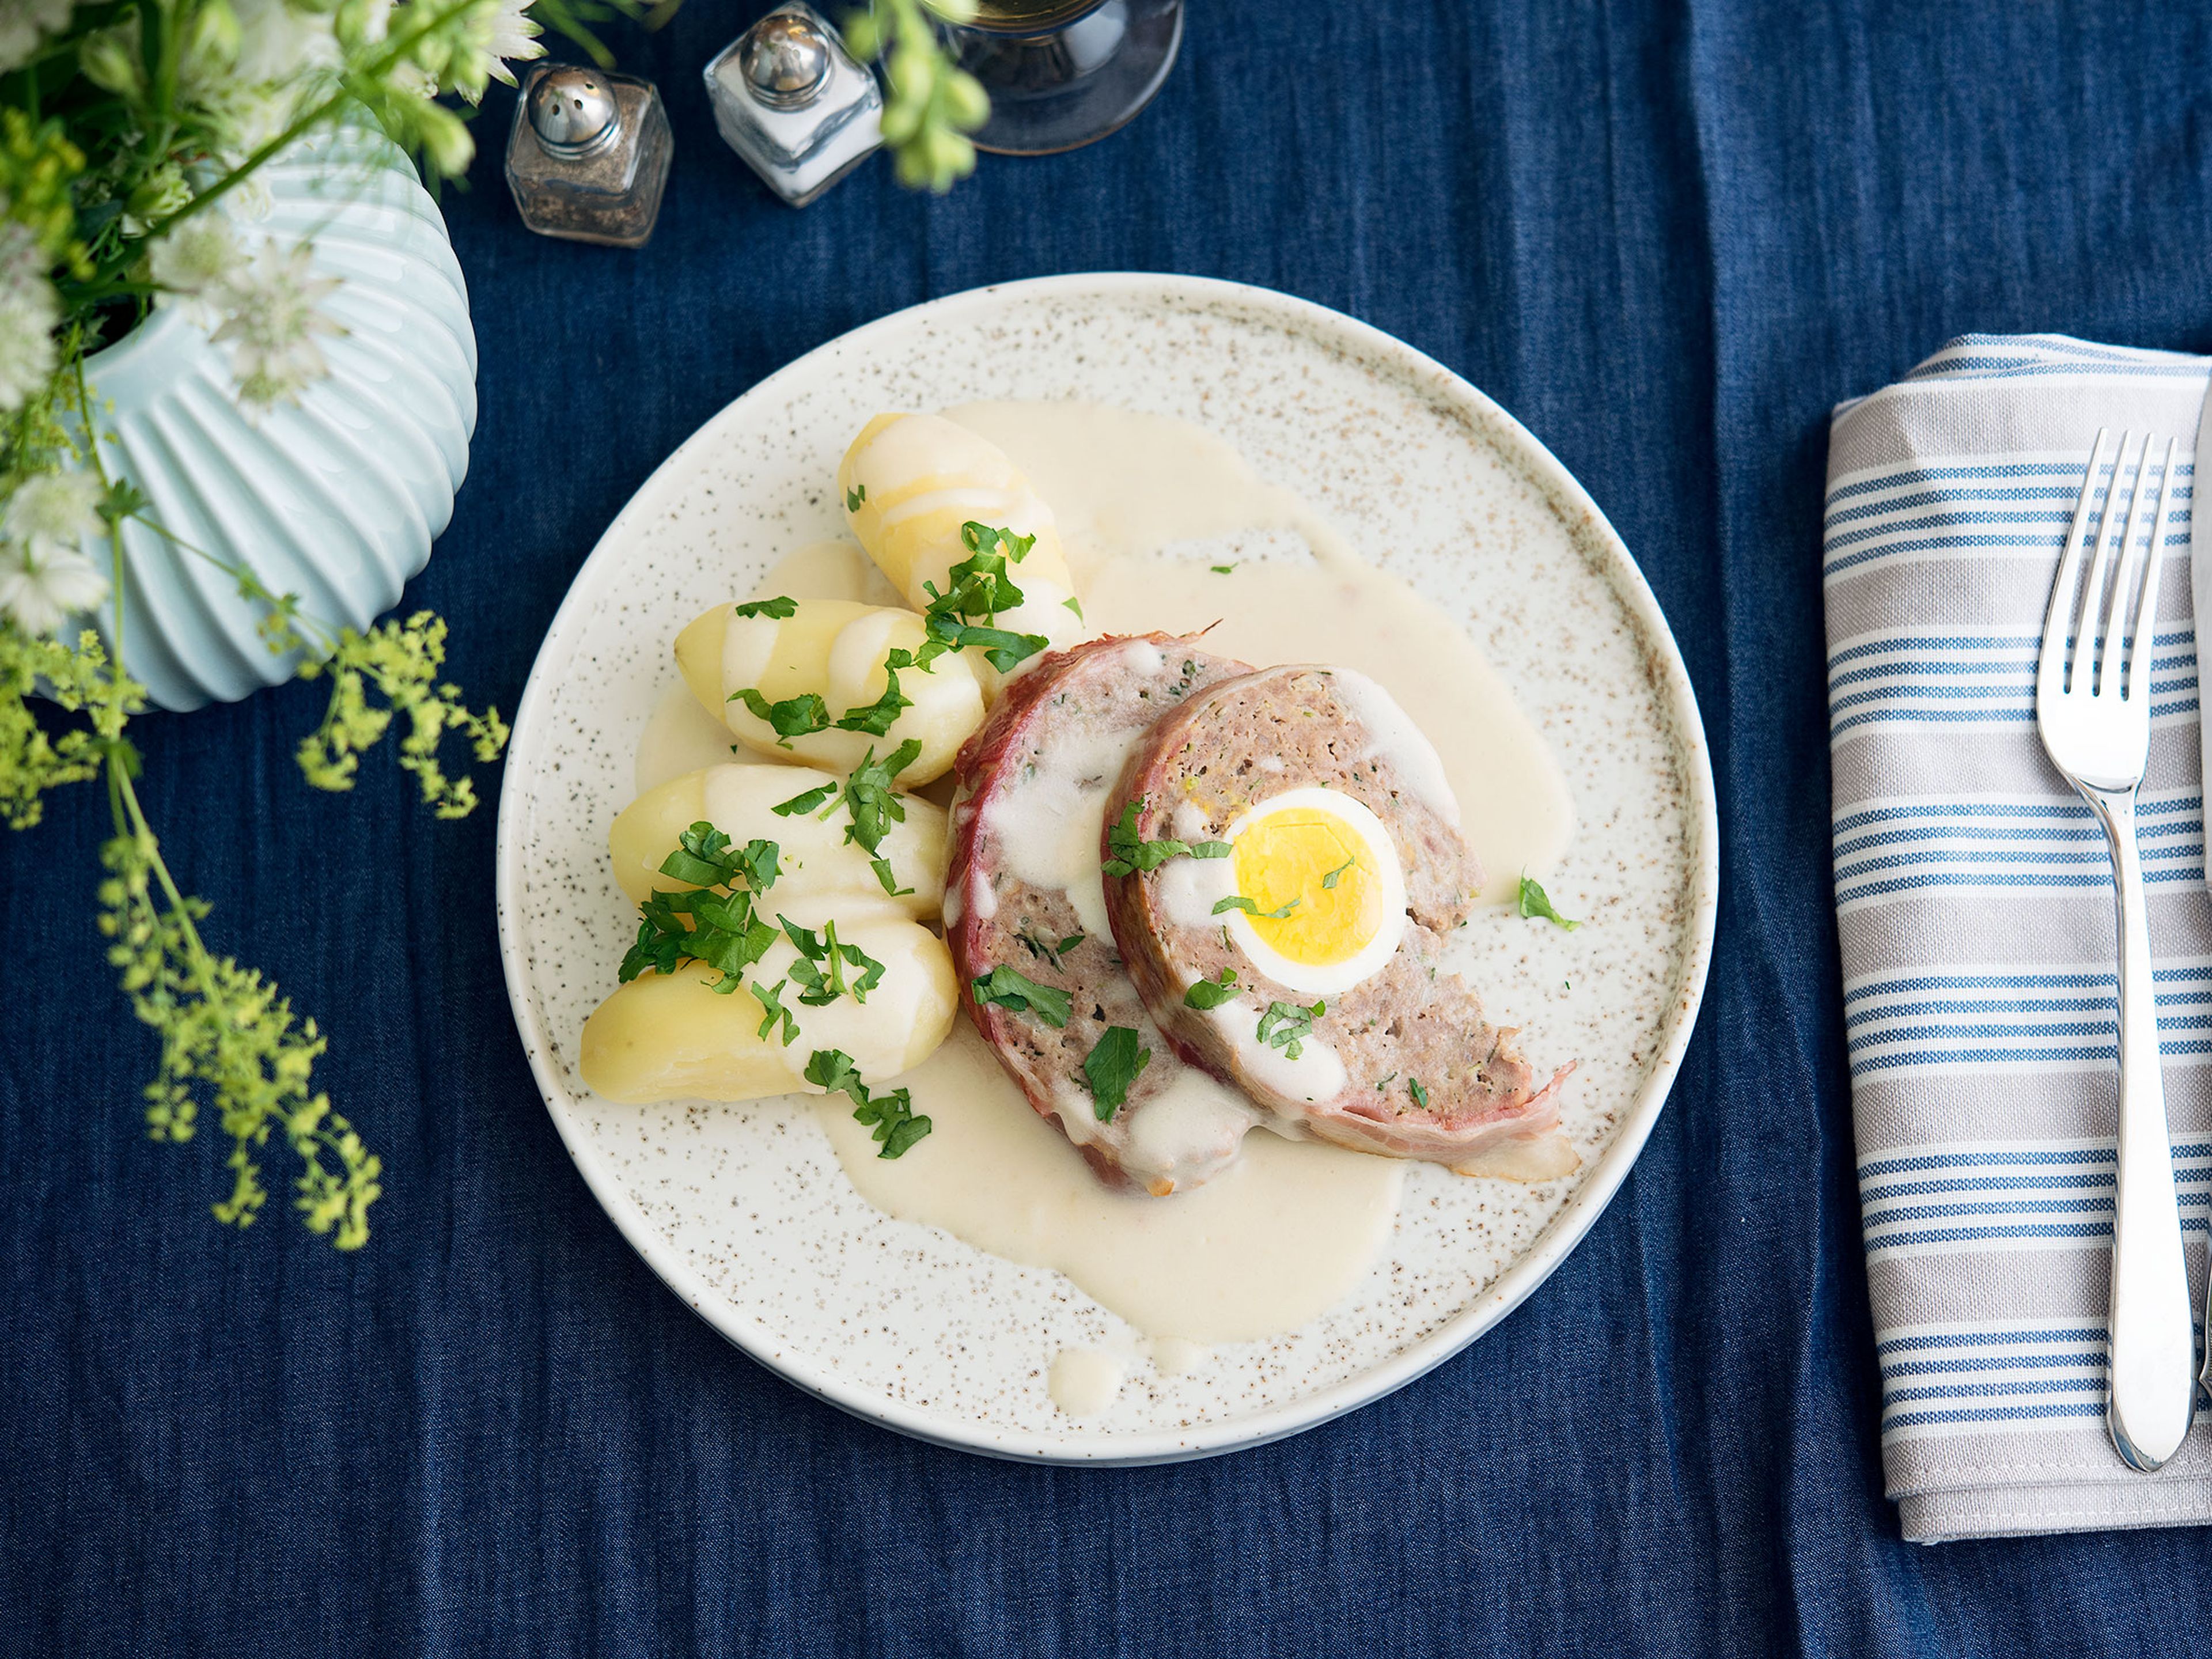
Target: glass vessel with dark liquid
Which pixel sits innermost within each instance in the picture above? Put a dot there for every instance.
(1065, 73)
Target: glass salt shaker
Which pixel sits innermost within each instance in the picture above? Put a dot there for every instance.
(588, 154)
(794, 104)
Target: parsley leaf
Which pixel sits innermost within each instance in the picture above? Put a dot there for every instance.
(896, 1128)
(1285, 1026)
(875, 718)
(794, 717)
(718, 930)
(1250, 908)
(1223, 570)
(1112, 1066)
(882, 869)
(1069, 942)
(1127, 853)
(703, 858)
(854, 496)
(1212, 993)
(806, 803)
(768, 997)
(981, 539)
(870, 798)
(1420, 1095)
(821, 964)
(1534, 903)
(1330, 879)
(1009, 989)
(1076, 605)
(779, 607)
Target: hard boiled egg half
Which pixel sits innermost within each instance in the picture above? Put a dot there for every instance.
(1312, 891)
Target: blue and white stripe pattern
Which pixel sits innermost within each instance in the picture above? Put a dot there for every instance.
(1973, 897)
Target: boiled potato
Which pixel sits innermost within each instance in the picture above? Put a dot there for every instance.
(672, 1036)
(836, 650)
(910, 482)
(818, 863)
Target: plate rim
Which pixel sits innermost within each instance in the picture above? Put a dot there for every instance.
(1560, 1236)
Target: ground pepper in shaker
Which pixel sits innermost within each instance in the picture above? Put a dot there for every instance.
(794, 104)
(587, 157)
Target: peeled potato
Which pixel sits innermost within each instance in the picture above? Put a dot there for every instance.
(910, 482)
(818, 865)
(672, 1036)
(836, 649)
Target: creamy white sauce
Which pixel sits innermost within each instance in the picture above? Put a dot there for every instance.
(1290, 1228)
(1127, 487)
(1274, 1240)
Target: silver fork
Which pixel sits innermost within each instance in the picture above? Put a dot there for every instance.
(2096, 729)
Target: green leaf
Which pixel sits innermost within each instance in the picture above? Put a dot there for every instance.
(779, 607)
(1285, 1026)
(1535, 903)
(1212, 993)
(981, 539)
(854, 496)
(1222, 569)
(1113, 1064)
(804, 803)
(876, 718)
(770, 999)
(1238, 901)
(870, 798)
(1419, 1094)
(1009, 989)
(896, 1128)
(1076, 605)
(1127, 853)
(1330, 879)
(882, 869)
(794, 717)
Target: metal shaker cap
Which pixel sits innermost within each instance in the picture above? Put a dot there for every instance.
(573, 112)
(785, 59)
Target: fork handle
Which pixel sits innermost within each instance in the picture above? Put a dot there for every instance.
(2151, 1388)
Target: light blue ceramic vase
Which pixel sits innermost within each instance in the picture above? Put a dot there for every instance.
(336, 499)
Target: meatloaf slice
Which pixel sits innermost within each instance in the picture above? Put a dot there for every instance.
(1400, 1063)
(1023, 892)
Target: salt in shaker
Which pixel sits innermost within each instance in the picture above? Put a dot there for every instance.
(588, 154)
(791, 101)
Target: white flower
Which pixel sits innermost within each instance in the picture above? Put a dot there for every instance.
(279, 42)
(29, 309)
(44, 576)
(198, 255)
(270, 303)
(513, 40)
(23, 23)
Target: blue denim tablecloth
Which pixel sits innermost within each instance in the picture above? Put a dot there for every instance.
(1668, 238)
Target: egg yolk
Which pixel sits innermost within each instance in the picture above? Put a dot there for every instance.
(1324, 865)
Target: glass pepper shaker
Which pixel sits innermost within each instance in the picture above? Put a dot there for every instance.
(794, 104)
(588, 154)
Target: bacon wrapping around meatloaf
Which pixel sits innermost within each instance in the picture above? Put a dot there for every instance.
(1023, 891)
(1402, 1063)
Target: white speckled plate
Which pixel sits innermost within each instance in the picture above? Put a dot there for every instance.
(744, 1210)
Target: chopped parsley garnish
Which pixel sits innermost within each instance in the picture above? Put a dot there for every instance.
(1127, 853)
(1009, 989)
(779, 607)
(1383, 1083)
(1038, 947)
(1420, 1095)
(1285, 1026)
(875, 718)
(769, 998)
(1536, 903)
(896, 1128)
(872, 800)
(979, 588)
(1076, 605)
(882, 869)
(1223, 570)
(717, 929)
(806, 803)
(821, 964)
(704, 857)
(1212, 993)
(1330, 879)
(854, 496)
(1251, 908)
(1111, 1067)
(981, 539)
(794, 717)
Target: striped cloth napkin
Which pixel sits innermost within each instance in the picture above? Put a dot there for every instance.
(1973, 897)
